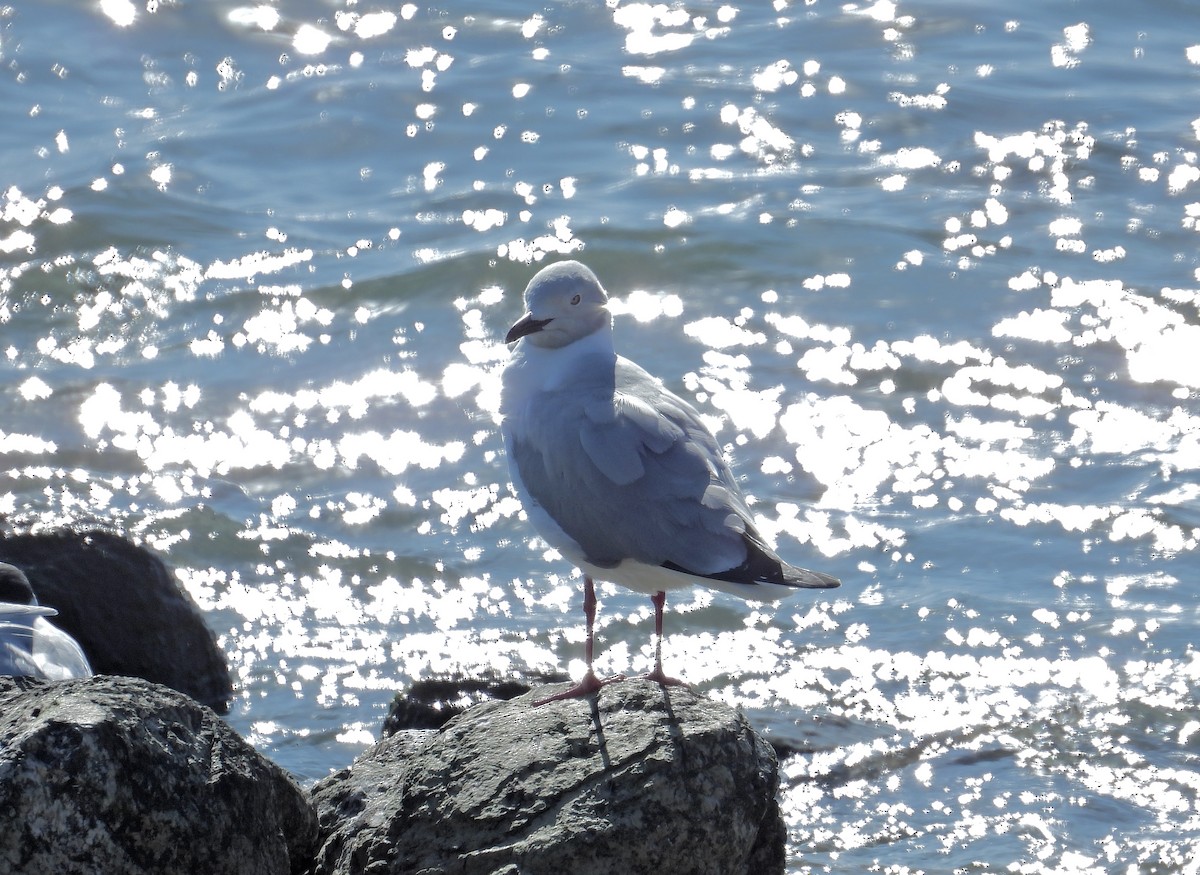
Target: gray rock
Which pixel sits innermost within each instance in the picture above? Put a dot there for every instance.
(110, 774)
(125, 608)
(642, 780)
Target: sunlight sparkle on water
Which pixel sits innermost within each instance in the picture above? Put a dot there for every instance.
(121, 12)
(366, 25)
(352, 397)
(311, 40)
(645, 306)
(276, 329)
(395, 452)
(263, 17)
(249, 266)
(948, 351)
(643, 20)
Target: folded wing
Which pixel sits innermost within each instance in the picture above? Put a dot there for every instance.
(628, 471)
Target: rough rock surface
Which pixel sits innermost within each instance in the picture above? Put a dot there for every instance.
(641, 779)
(125, 608)
(112, 774)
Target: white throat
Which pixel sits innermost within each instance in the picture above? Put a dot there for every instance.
(539, 369)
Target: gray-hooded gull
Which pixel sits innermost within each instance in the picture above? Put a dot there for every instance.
(619, 474)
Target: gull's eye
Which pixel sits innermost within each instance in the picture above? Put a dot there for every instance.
(575, 300)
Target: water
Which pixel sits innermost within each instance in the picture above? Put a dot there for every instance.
(930, 268)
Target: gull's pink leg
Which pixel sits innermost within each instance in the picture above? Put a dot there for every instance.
(590, 683)
(660, 599)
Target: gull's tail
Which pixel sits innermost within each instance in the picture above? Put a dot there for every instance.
(763, 568)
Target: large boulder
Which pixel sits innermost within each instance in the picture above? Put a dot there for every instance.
(125, 608)
(110, 774)
(640, 779)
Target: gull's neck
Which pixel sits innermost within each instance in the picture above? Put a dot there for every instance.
(550, 368)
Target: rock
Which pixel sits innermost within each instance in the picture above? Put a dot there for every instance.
(430, 702)
(126, 610)
(113, 774)
(645, 779)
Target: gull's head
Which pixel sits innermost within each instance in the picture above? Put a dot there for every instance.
(563, 303)
(14, 586)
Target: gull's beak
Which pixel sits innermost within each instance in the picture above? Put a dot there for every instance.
(526, 325)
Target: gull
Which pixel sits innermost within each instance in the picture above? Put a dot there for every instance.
(619, 474)
(29, 645)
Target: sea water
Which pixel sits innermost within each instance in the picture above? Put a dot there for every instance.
(928, 269)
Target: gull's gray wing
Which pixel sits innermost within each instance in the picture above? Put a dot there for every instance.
(629, 471)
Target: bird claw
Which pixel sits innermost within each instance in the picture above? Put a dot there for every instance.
(662, 679)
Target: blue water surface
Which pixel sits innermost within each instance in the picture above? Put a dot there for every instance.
(929, 268)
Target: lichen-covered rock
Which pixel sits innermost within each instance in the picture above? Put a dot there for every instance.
(109, 774)
(125, 608)
(642, 779)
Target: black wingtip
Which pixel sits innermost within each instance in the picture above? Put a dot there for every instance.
(763, 566)
(806, 579)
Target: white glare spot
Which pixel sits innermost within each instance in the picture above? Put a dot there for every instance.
(675, 217)
(374, 24)
(431, 175)
(532, 26)
(310, 40)
(263, 17)
(35, 388)
(122, 12)
(161, 175)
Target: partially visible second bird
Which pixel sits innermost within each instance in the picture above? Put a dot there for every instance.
(30, 646)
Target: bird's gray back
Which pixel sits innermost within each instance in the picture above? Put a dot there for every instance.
(629, 471)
